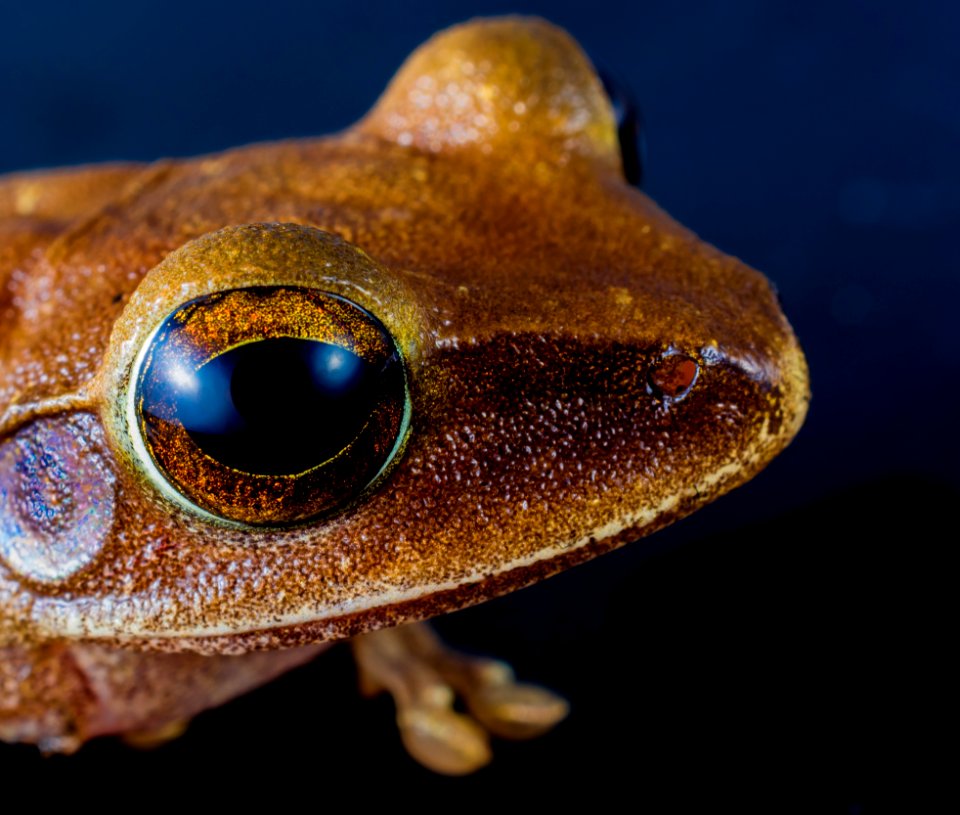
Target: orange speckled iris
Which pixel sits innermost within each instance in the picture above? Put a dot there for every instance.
(209, 328)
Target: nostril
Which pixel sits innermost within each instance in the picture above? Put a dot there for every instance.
(672, 376)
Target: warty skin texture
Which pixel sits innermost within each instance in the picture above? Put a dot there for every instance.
(479, 211)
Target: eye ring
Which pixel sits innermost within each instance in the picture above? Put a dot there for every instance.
(206, 434)
(245, 257)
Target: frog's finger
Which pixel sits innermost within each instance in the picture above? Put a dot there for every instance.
(443, 740)
(507, 708)
(514, 710)
(424, 676)
(151, 739)
(433, 733)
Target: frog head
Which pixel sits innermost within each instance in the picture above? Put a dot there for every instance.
(541, 365)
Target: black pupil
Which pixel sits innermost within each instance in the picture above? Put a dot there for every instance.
(276, 406)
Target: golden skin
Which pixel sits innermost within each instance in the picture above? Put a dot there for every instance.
(480, 213)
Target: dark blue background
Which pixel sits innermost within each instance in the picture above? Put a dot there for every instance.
(817, 141)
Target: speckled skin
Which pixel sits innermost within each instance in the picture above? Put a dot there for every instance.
(480, 213)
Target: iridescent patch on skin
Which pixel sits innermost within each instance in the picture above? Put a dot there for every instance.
(56, 497)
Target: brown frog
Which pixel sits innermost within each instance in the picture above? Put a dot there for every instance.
(257, 402)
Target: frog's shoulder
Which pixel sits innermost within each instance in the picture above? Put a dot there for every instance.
(38, 206)
(37, 209)
(63, 194)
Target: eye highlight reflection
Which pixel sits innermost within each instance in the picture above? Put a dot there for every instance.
(271, 404)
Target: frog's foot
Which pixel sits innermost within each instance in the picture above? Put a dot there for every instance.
(157, 737)
(424, 677)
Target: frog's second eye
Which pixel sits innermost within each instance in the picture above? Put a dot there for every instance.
(629, 129)
(271, 404)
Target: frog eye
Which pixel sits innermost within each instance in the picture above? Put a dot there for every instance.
(270, 404)
(633, 147)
